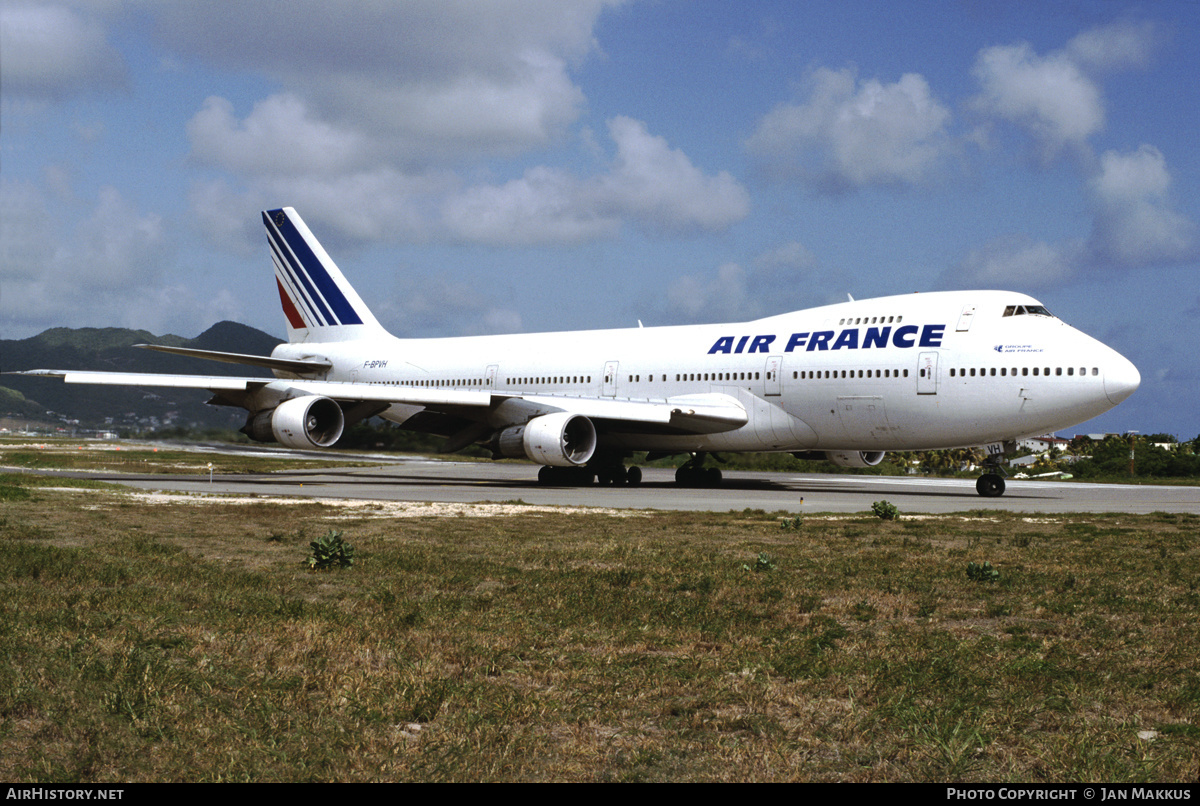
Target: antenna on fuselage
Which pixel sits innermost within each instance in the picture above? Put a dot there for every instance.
(849, 297)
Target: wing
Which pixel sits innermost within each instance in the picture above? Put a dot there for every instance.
(685, 414)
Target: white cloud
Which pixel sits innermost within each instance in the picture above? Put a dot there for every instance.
(424, 79)
(849, 133)
(1133, 226)
(785, 277)
(1134, 223)
(660, 187)
(107, 270)
(279, 137)
(1016, 262)
(427, 305)
(649, 185)
(723, 297)
(51, 52)
(1119, 45)
(1055, 97)
(1049, 96)
(543, 206)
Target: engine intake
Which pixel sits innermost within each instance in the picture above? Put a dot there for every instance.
(560, 439)
(302, 422)
(855, 458)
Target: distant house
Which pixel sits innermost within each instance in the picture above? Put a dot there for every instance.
(1042, 444)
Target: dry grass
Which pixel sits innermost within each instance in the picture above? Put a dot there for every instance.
(144, 640)
(132, 457)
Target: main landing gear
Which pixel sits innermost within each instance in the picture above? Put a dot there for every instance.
(694, 474)
(605, 470)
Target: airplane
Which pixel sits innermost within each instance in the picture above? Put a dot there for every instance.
(845, 382)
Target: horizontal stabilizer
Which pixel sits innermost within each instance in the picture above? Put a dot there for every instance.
(283, 364)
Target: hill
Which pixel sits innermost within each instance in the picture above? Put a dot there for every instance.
(111, 349)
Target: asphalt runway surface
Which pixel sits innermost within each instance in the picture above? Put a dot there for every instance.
(408, 479)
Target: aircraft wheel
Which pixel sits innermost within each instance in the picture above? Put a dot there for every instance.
(546, 477)
(633, 476)
(990, 485)
(712, 477)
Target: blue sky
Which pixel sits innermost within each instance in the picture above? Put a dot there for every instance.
(484, 167)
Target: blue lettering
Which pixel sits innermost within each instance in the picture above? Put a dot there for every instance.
(820, 340)
(761, 343)
(847, 339)
(797, 340)
(903, 337)
(876, 337)
(723, 345)
(931, 335)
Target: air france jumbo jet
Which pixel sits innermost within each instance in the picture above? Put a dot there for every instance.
(844, 382)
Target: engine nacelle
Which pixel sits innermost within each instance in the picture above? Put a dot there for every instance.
(854, 458)
(302, 422)
(560, 439)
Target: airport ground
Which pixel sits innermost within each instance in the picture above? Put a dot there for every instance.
(468, 482)
(181, 636)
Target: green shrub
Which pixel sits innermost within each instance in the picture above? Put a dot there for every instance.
(885, 511)
(765, 562)
(330, 551)
(982, 572)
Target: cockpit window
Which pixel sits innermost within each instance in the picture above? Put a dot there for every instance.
(1021, 310)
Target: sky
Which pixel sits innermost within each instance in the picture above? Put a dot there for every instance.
(538, 165)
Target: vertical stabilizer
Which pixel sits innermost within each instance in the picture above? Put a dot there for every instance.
(318, 302)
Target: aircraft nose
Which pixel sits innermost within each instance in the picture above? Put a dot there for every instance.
(1121, 379)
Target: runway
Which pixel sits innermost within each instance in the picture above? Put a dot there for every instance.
(466, 482)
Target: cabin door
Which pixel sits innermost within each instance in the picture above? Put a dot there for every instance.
(927, 374)
(771, 376)
(610, 378)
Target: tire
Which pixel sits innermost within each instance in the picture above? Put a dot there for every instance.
(990, 485)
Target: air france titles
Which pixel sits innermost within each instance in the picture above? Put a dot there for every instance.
(851, 338)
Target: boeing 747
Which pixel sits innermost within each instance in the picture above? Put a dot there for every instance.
(845, 382)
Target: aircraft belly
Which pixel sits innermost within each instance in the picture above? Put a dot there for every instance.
(768, 428)
(864, 421)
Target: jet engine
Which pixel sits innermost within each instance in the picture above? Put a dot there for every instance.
(560, 439)
(854, 458)
(302, 422)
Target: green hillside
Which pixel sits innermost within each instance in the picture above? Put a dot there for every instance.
(112, 350)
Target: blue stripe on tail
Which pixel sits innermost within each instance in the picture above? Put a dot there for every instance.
(301, 264)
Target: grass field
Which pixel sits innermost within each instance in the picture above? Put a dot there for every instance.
(155, 638)
(134, 457)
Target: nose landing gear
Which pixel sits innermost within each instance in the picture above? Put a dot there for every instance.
(991, 483)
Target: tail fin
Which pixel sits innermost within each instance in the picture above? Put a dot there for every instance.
(318, 302)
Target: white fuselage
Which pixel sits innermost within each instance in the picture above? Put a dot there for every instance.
(914, 372)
